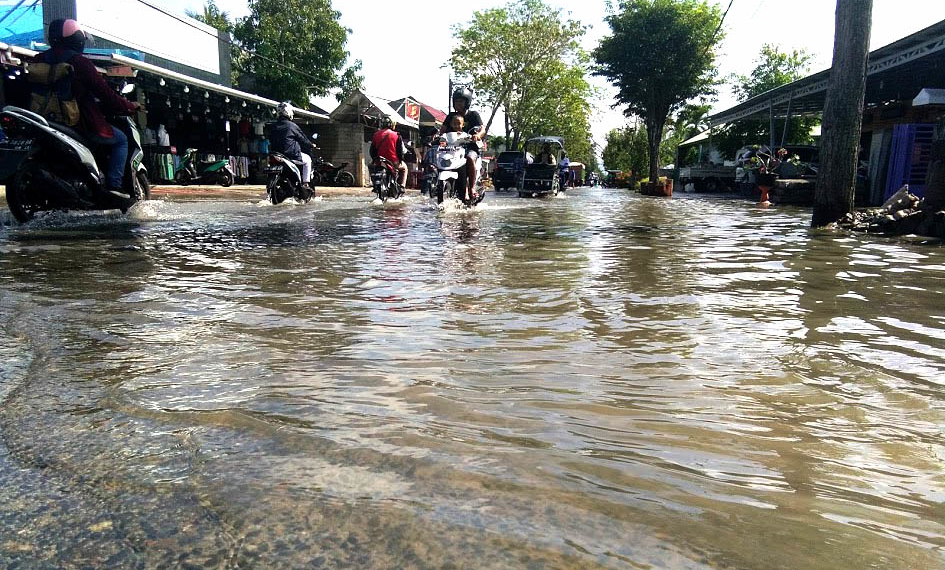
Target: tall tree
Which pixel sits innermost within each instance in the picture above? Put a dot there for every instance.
(773, 68)
(843, 112)
(660, 54)
(294, 49)
(501, 49)
(627, 149)
(553, 100)
(213, 16)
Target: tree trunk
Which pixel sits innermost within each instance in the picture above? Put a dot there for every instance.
(654, 136)
(843, 113)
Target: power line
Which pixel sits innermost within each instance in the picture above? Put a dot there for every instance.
(719, 28)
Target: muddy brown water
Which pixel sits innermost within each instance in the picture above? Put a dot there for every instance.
(598, 381)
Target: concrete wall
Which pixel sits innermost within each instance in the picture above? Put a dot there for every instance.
(344, 142)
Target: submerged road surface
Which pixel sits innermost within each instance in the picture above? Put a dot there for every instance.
(597, 381)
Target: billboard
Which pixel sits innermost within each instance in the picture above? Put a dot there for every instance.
(21, 23)
(142, 26)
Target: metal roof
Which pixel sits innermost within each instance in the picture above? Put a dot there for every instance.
(360, 103)
(895, 72)
(150, 68)
(557, 140)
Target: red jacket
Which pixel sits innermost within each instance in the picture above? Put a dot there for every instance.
(87, 85)
(387, 143)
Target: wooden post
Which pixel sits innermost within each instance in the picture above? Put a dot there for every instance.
(843, 112)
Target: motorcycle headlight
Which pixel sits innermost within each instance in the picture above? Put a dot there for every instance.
(444, 163)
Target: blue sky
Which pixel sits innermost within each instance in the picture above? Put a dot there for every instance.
(404, 45)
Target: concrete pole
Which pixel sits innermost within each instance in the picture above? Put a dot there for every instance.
(843, 112)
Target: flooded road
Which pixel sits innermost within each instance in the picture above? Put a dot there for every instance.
(602, 380)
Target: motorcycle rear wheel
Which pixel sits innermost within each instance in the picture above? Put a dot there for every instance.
(24, 194)
(345, 179)
(226, 179)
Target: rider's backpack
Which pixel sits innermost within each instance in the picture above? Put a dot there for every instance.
(52, 97)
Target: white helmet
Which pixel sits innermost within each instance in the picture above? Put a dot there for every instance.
(285, 110)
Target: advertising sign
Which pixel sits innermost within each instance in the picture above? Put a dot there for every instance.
(143, 26)
(412, 110)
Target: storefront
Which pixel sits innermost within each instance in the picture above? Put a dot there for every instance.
(355, 120)
(218, 121)
(181, 68)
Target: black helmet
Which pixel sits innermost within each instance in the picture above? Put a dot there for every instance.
(463, 93)
(387, 122)
(66, 33)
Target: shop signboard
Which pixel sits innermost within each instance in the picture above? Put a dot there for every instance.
(143, 26)
(412, 110)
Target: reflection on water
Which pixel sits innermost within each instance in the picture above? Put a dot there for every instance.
(603, 380)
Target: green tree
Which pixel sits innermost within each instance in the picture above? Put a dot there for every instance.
(773, 68)
(504, 51)
(294, 49)
(660, 54)
(213, 16)
(554, 101)
(350, 81)
(627, 149)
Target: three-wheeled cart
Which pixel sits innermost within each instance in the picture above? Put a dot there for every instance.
(541, 175)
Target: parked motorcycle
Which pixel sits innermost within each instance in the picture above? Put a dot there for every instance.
(384, 180)
(325, 173)
(285, 180)
(191, 171)
(60, 171)
(451, 169)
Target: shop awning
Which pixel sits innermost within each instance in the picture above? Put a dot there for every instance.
(359, 105)
(206, 85)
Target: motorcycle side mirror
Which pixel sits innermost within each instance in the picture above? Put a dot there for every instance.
(127, 88)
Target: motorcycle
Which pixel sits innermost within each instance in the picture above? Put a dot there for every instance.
(326, 173)
(215, 172)
(428, 182)
(384, 180)
(285, 180)
(450, 166)
(60, 172)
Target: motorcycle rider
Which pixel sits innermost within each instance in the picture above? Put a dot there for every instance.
(472, 123)
(388, 144)
(564, 170)
(286, 138)
(67, 42)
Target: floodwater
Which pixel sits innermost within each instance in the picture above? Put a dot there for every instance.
(602, 380)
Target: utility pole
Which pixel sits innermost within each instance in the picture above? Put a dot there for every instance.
(843, 112)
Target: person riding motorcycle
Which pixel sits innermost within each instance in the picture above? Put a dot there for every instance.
(472, 123)
(67, 42)
(564, 171)
(389, 145)
(286, 138)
